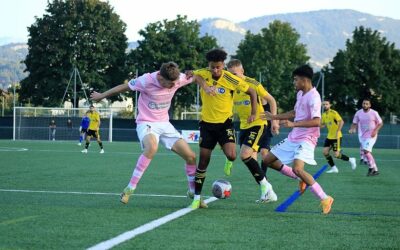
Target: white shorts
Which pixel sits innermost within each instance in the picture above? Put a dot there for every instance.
(367, 143)
(287, 152)
(163, 131)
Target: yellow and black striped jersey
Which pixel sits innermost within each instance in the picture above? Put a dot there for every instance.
(94, 120)
(331, 119)
(218, 108)
(242, 104)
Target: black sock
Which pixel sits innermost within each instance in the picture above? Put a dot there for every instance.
(199, 181)
(343, 157)
(101, 145)
(254, 168)
(264, 167)
(330, 160)
(87, 145)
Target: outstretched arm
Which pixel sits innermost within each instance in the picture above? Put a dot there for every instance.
(203, 84)
(284, 116)
(95, 96)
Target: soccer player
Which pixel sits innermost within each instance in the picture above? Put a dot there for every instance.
(299, 147)
(52, 130)
(93, 129)
(83, 127)
(252, 134)
(369, 123)
(216, 115)
(153, 126)
(334, 122)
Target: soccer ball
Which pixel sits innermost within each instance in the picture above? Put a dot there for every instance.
(221, 189)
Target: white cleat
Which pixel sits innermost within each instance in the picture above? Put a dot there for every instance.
(353, 163)
(269, 196)
(333, 170)
(84, 151)
(102, 151)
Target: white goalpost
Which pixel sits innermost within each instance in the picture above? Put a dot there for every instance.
(34, 123)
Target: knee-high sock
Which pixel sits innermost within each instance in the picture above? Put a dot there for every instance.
(330, 160)
(343, 157)
(288, 171)
(141, 166)
(254, 169)
(317, 190)
(264, 168)
(199, 181)
(190, 173)
(371, 161)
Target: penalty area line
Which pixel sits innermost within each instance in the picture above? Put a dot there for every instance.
(289, 201)
(144, 228)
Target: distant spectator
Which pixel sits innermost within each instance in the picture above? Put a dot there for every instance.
(52, 130)
(69, 127)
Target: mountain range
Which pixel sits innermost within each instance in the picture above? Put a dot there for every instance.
(323, 32)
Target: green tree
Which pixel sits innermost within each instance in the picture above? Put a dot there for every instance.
(368, 67)
(177, 40)
(273, 54)
(87, 35)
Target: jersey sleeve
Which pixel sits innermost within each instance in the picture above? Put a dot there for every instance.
(236, 82)
(261, 91)
(356, 119)
(315, 107)
(138, 84)
(337, 117)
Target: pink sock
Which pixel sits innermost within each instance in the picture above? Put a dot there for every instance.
(190, 173)
(316, 189)
(141, 166)
(371, 161)
(288, 171)
(362, 157)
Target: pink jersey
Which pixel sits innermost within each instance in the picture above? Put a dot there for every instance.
(367, 122)
(308, 106)
(154, 100)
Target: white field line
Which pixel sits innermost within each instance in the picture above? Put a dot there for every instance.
(86, 193)
(144, 228)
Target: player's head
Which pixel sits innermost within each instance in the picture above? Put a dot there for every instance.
(326, 104)
(169, 73)
(91, 108)
(235, 67)
(302, 77)
(215, 59)
(366, 104)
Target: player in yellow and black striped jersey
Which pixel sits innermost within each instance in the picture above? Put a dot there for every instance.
(93, 129)
(252, 134)
(216, 115)
(334, 122)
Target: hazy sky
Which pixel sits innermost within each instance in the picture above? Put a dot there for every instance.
(17, 15)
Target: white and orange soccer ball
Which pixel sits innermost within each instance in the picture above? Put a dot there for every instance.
(221, 189)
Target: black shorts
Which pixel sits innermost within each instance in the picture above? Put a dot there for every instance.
(252, 137)
(93, 133)
(213, 133)
(265, 141)
(84, 130)
(333, 143)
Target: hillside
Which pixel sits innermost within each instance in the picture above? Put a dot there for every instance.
(324, 32)
(11, 70)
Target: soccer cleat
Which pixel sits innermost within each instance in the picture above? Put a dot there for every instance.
(352, 161)
(326, 204)
(102, 151)
(124, 197)
(198, 204)
(267, 194)
(302, 187)
(84, 151)
(333, 170)
(228, 167)
(190, 195)
(372, 173)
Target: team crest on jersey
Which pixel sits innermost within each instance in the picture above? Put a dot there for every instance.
(246, 102)
(221, 90)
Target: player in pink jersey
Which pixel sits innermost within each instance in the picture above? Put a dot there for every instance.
(299, 147)
(368, 122)
(156, 92)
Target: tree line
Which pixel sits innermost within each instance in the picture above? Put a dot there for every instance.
(89, 35)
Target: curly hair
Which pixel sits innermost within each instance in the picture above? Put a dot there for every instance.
(216, 55)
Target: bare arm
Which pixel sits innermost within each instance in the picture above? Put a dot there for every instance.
(95, 96)
(340, 126)
(376, 130)
(253, 100)
(274, 110)
(203, 84)
(353, 128)
(284, 116)
(315, 122)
